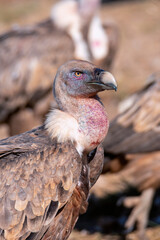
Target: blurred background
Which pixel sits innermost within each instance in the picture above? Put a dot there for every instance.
(123, 37)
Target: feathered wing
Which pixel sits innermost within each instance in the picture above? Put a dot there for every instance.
(96, 165)
(136, 129)
(77, 204)
(38, 176)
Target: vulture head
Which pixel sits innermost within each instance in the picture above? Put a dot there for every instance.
(81, 79)
(82, 117)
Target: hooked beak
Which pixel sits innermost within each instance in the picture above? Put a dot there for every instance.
(104, 81)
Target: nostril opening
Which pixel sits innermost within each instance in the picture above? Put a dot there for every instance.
(98, 71)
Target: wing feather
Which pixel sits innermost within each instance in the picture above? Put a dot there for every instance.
(36, 181)
(139, 122)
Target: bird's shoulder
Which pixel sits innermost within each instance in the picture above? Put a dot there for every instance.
(33, 140)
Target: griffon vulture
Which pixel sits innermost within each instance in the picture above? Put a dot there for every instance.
(46, 173)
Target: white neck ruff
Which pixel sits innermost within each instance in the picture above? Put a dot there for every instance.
(64, 127)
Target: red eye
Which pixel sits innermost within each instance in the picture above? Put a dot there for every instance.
(78, 74)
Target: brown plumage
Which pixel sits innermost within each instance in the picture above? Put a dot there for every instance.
(135, 130)
(46, 173)
(35, 52)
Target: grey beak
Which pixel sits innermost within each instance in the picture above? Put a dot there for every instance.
(105, 81)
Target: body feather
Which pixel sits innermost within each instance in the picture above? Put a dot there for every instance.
(35, 180)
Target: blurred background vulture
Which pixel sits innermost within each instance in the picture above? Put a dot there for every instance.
(35, 51)
(46, 173)
(132, 153)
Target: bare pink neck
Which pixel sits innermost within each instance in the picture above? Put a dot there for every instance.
(92, 120)
(91, 117)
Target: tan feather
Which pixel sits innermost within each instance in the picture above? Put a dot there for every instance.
(20, 205)
(14, 232)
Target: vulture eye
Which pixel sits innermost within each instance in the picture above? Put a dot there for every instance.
(78, 74)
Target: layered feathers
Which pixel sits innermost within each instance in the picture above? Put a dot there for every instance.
(35, 180)
(136, 128)
(39, 177)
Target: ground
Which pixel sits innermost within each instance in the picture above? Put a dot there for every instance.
(152, 233)
(138, 55)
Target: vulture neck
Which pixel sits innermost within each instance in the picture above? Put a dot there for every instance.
(81, 120)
